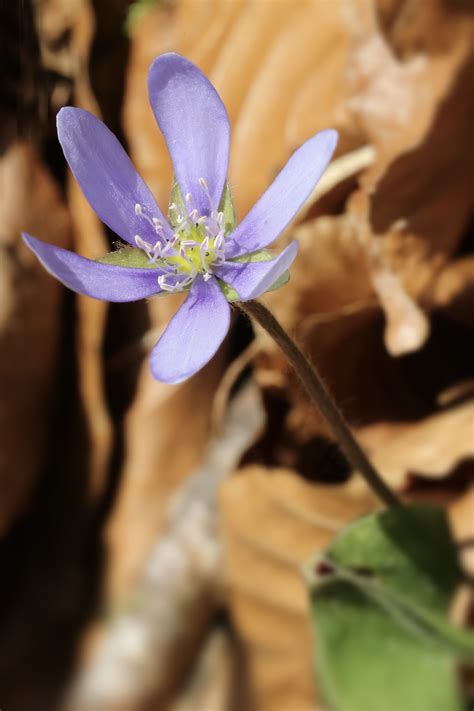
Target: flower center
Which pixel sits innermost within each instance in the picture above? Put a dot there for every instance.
(196, 251)
(196, 246)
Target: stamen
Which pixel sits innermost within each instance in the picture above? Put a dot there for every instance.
(195, 247)
(203, 183)
(177, 285)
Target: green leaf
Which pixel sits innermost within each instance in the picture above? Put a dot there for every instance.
(129, 257)
(380, 597)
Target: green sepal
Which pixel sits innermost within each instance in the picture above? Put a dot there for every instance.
(380, 597)
(281, 281)
(129, 257)
(262, 255)
(226, 206)
(230, 294)
(135, 12)
(176, 198)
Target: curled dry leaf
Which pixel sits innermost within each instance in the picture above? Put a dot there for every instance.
(462, 520)
(407, 92)
(273, 522)
(413, 204)
(431, 448)
(461, 516)
(454, 290)
(66, 33)
(407, 326)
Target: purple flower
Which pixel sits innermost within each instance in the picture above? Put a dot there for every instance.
(198, 249)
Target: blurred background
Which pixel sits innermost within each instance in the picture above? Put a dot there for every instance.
(151, 536)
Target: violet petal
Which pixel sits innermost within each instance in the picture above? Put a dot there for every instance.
(194, 333)
(106, 175)
(282, 200)
(100, 281)
(251, 279)
(195, 125)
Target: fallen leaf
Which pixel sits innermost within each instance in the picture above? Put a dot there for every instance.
(273, 522)
(30, 322)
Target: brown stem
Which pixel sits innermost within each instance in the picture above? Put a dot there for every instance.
(321, 398)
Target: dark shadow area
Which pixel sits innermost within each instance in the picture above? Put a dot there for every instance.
(51, 557)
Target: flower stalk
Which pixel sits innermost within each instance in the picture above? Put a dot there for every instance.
(322, 399)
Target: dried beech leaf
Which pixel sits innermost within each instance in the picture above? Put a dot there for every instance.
(462, 520)
(414, 202)
(407, 327)
(454, 290)
(163, 443)
(430, 448)
(260, 142)
(30, 322)
(273, 521)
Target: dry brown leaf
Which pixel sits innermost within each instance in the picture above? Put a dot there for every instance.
(414, 202)
(407, 326)
(66, 36)
(273, 522)
(90, 242)
(264, 128)
(430, 448)
(391, 245)
(163, 443)
(454, 290)
(212, 680)
(461, 515)
(30, 323)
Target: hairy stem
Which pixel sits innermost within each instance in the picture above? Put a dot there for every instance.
(321, 398)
